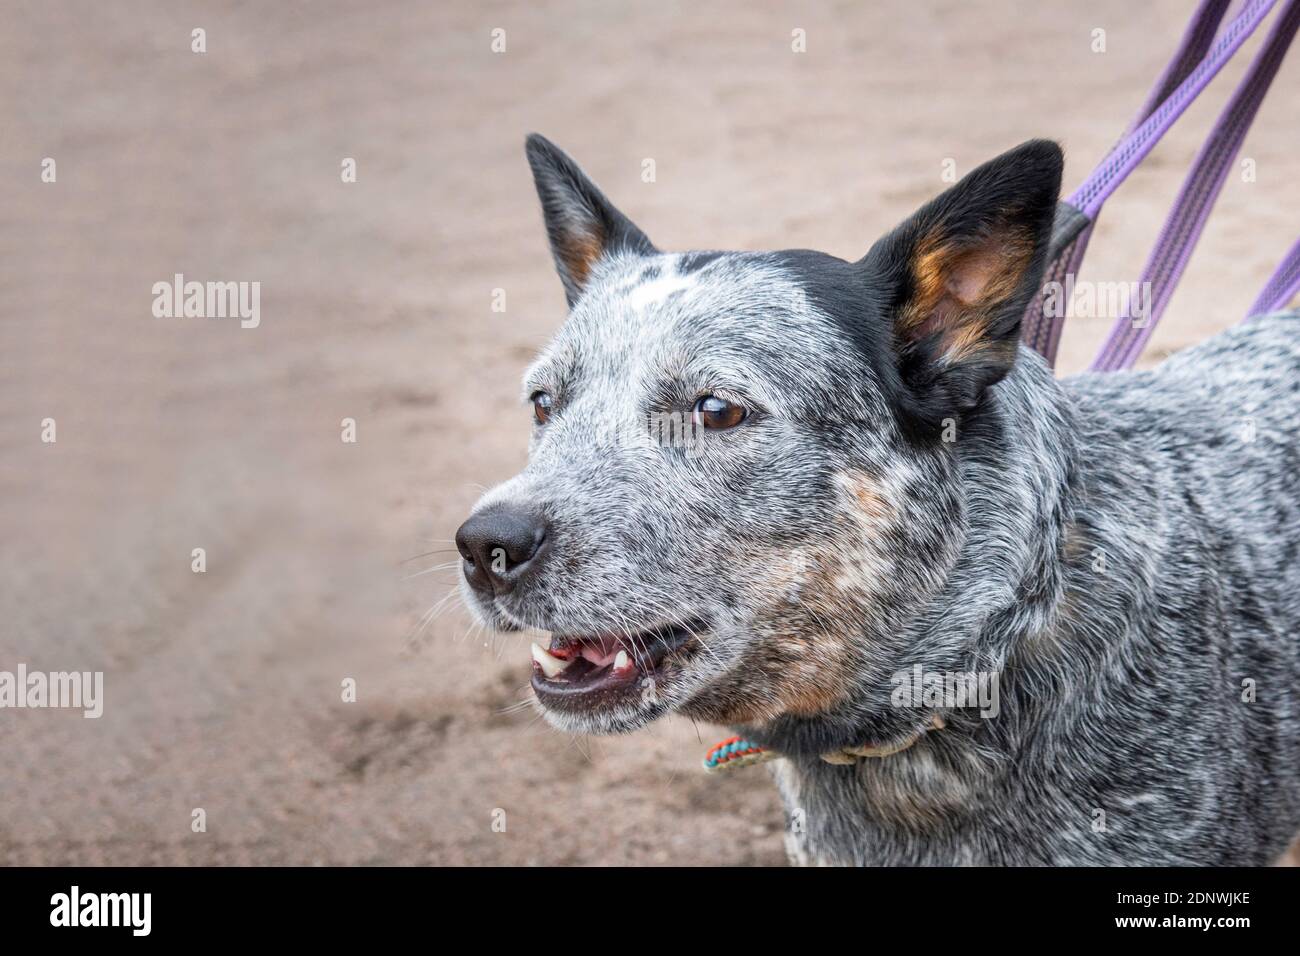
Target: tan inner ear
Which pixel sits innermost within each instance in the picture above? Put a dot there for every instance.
(957, 286)
(580, 251)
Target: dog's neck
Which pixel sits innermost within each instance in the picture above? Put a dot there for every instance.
(1009, 607)
(1059, 487)
(1020, 468)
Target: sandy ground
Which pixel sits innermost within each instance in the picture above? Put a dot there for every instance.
(223, 688)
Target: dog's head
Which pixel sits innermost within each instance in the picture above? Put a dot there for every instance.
(738, 488)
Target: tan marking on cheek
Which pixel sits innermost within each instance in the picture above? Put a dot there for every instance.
(870, 496)
(800, 660)
(837, 593)
(782, 573)
(805, 659)
(808, 645)
(822, 681)
(869, 510)
(796, 672)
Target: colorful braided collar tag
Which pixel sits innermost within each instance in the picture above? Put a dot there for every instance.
(736, 752)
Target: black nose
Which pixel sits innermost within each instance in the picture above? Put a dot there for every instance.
(500, 545)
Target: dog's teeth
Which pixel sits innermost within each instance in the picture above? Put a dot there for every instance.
(621, 663)
(549, 664)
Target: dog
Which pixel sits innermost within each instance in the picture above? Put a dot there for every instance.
(764, 485)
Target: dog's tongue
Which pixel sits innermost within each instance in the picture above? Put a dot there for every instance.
(600, 649)
(601, 653)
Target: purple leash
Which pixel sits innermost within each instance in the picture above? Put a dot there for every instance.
(1198, 36)
(1076, 215)
(1116, 167)
(1201, 188)
(1283, 285)
(1066, 255)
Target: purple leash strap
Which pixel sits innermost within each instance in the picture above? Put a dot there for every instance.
(1043, 333)
(1197, 38)
(1282, 286)
(1096, 189)
(1076, 215)
(1191, 209)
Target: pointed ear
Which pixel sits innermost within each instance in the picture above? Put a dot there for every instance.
(582, 224)
(958, 275)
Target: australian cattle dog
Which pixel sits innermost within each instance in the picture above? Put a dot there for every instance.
(981, 615)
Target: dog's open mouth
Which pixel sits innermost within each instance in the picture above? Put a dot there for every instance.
(592, 671)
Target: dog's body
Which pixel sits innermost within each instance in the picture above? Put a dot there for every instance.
(879, 481)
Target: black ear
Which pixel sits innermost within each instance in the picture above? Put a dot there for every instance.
(582, 224)
(958, 275)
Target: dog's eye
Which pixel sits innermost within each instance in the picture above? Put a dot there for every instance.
(713, 412)
(541, 407)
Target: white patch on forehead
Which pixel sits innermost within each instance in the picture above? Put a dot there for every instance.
(656, 290)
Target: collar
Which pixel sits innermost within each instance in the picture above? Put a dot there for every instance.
(736, 752)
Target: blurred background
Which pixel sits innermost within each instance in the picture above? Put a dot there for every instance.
(325, 559)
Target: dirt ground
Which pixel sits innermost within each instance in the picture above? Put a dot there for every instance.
(223, 689)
